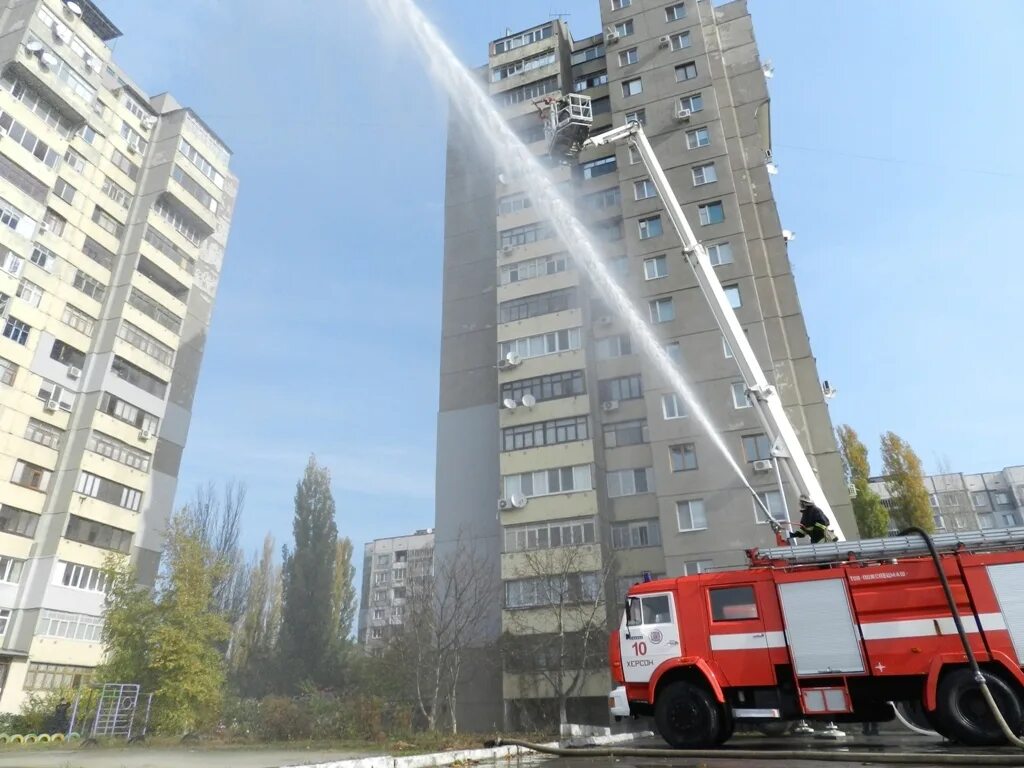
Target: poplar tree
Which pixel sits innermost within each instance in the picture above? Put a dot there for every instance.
(904, 480)
(872, 517)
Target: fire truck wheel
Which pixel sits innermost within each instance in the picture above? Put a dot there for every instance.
(687, 716)
(962, 710)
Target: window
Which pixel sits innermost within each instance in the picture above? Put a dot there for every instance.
(634, 156)
(624, 28)
(12, 263)
(524, 235)
(683, 458)
(698, 137)
(726, 349)
(66, 354)
(10, 569)
(137, 376)
(675, 12)
(50, 392)
(637, 116)
(126, 166)
(551, 387)
(644, 189)
(772, 500)
(711, 213)
(632, 87)
(87, 134)
(133, 138)
(979, 499)
(628, 56)
(16, 331)
(75, 161)
(674, 351)
(107, 222)
(89, 285)
(159, 276)
(205, 166)
(70, 626)
(690, 515)
(694, 567)
(672, 406)
(655, 268)
(640, 533)
(121, 452)
(27, 139)
(522, 65)
(1002, 499)
(650, 227)
(680, 40)
(381, 577)
(528, 92)
(739, 395)
(630, 482)
(733, 604)
(605, 198)
(541, 433)
(146, 343)
(552, 590)
(170, 250)
(524, 38)
(590, 81)
(378, 614)
(98, 253)
(55, 677)
(618, 5)
(43, 258)
(622, 388)
(29, 292)
(704, 174)
(154, 310)
(757, 447)
(31, 476)
(599, 167)
(78, 319)
(607, 231)
(542, 344)
(84, 577)
(694, 102)
(532, 268)
(8, 371)
(195, 189)
(613, 346)
(98, 534)
(54, 222)
(687, 71)
(619, 266)
(622, 433)
(116, 192)
(588, 54)
(44, 434)
(128, 413)
(732, 292)
(547, 482)
(662, 310)
(9, 215)
(106, 490)
(719, 254)
(63, 190)
(513, 204)
(18, 522)
(547, 535)
(37, 104)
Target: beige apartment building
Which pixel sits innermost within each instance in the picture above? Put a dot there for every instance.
(602, 457)
(115, 208)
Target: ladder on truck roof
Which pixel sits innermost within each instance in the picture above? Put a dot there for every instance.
(892, 546)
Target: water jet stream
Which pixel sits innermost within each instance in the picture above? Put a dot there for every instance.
(477, 108)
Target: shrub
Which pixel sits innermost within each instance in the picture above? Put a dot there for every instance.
(283, 719)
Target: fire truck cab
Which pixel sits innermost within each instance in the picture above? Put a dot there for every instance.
(831, 632)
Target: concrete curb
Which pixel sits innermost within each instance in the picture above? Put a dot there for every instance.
(469, 755)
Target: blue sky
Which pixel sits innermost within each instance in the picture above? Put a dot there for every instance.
(895, 127)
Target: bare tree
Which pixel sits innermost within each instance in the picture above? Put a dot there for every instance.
(254, 634)
(445, 616)
(556, 635)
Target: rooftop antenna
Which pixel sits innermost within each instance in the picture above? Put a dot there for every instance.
(558, 15)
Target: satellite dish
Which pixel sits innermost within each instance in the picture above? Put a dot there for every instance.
(33, 46)
(509, 403)
(513, 359)
(48, 59)
(501, 179)
(73, 7)
(518, 500)
(529, 401)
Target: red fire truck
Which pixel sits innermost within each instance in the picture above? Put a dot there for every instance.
(829, 632)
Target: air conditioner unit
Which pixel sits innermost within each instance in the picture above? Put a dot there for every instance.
(683, 114)
(506, 250)
(132, 149)
(73, 372)
(763, 465)
(610, 405)
(664, 41)
(611, 36)
(51, 405)
(504, 504)
(61, 32)
(851, 489)
(44, 227)
(145, 434)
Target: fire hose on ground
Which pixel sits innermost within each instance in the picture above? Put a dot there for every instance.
(839, 755)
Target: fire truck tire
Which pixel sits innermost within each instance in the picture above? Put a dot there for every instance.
(963, 714)
(688, 717)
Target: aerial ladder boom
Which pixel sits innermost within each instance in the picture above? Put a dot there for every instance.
(764, 398)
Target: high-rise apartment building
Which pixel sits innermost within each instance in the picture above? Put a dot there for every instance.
(393, 568)
(962, 501)
(115, 209)
(606, 457)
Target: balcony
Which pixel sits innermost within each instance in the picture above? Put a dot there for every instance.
(44, 69)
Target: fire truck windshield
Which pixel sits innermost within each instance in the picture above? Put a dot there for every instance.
(648, 610)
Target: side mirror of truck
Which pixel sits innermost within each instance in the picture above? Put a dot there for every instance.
(629, 617)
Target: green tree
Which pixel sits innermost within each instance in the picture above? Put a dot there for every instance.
(344, 593)
(904, 480)
(872, 517)
(168, 639)
(307, 642)
(251, 656)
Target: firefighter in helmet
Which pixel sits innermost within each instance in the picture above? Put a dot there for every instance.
(813, 523)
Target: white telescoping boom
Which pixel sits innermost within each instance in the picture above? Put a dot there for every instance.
(788, 452)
